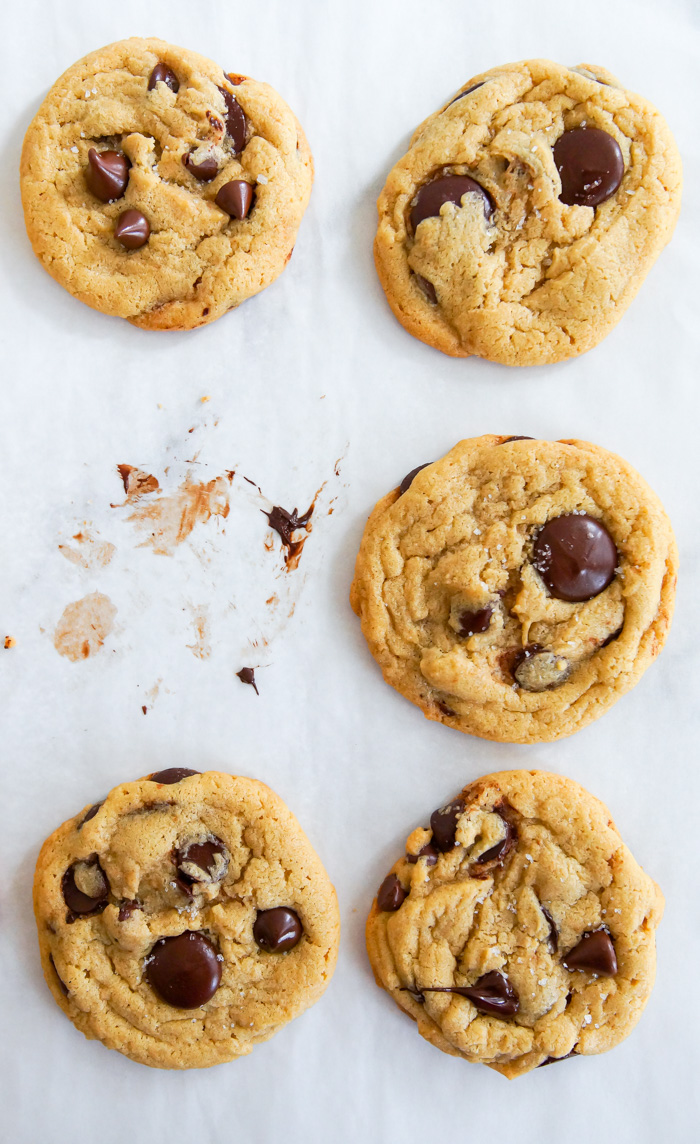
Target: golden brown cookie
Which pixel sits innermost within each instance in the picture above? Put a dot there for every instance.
(516, 588)
(518, 930)
(526, 213)
(161, 190)
(185, 918)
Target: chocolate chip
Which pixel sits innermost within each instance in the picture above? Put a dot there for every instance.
(446, 189)
(107, 174)
(202, 861)
(132, 230)
(247, 675)
(172, 775)
(390, 894)
(235, 198)
(85, 886)
(286, 523)
(473, 623)
(594, 952)
(576, 557)
(446, 709)
(61, 982)
(127, 908)
(205, 170)
(443, 823)
(590, 165)
(613, 636)
(277, 930)
(492, 993)
(427, 288)
(428, 852)
(163, 74)
(541, 671)
(498, 853)
(515, 439)
(468, 91)
(184, 971)
(553, 937)
(408, 479)
(236, 124)
(91, 813)
(415, 994)
(553, 1060)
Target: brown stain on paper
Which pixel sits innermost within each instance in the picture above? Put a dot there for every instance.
(137, 482)
(170, 519)
(92, 553)
(200, 622)
(84, 626)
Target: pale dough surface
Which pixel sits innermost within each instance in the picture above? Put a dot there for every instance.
(453, 927)
(543, 281)
(198, 263)
(462, 534)
(100, 959)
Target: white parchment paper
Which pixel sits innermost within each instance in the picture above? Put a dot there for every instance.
(312, 382)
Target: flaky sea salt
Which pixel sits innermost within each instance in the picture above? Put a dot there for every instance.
(262, 179)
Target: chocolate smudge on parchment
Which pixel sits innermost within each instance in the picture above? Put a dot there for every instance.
(169, 519)
(137, 482)
(92, 552)
(201, 648)
(84, 626)
(286, 524)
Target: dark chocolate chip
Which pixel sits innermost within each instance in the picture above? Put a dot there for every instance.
(247, 675)
(408, 479)
(107, 174)
(473, 623)
(236, 123)
(277, 930)
(594, 952)
(502, 849)
(576, 557)
(428, 852)
(553, 936)
(61, 982)
(202, 861)
(590, 165)
(443, 823)
(492, 993)
(426, 287)
(89, 875)
(235, 198)
(206, 170)
(468, 91)
(91, 813)
(553, 1060)
(184, 971)
(515, 439)
(127, 907)
(163, 74)
(132, 230)
(446, 189)
(390, 894)
(613, 636)
(172, 775)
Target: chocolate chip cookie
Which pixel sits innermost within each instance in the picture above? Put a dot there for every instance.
(516, 588)
(517, 930)
(526, 213)
(160, 189)
(185, 918)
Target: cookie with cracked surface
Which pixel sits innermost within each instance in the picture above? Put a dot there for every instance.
(520, 930)
(526, 213)
(159, 189)
(516, 589)
(185, 918)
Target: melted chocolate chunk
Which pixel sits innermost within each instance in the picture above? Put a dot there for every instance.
(541, 671)
(107, 174)
(127, 907)
(446, 709)
(163, 74)
(408, 479)
(277, 930)
(184, 971)
(236, 124)
(473, 623)
(85, 887)
(133, 230)
(553, 1060)
(515, 439)
(595, 952)
(415, 994)
(501, 850)
(443, 823)
(492, 993)
(61, 982)
(206, 170)
(202, 861)
(428, 852)
(236, 198)
(576, 557)
(427, 288)
(391, 894)
(590, 165)
(91, 813)
(172, 775)
(553, 938)
(468, 91)
(613, 636)
(446, 189)
(247, 675)
(286, 523)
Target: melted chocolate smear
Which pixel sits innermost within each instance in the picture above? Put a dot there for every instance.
(247, 675)
(127, 907)
(492, 994)
(500, 851)
(553, 1060)
(286, 523)
(61, 982)
(467, 92)
(415, 994)
(553, 939)
(515, 439)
